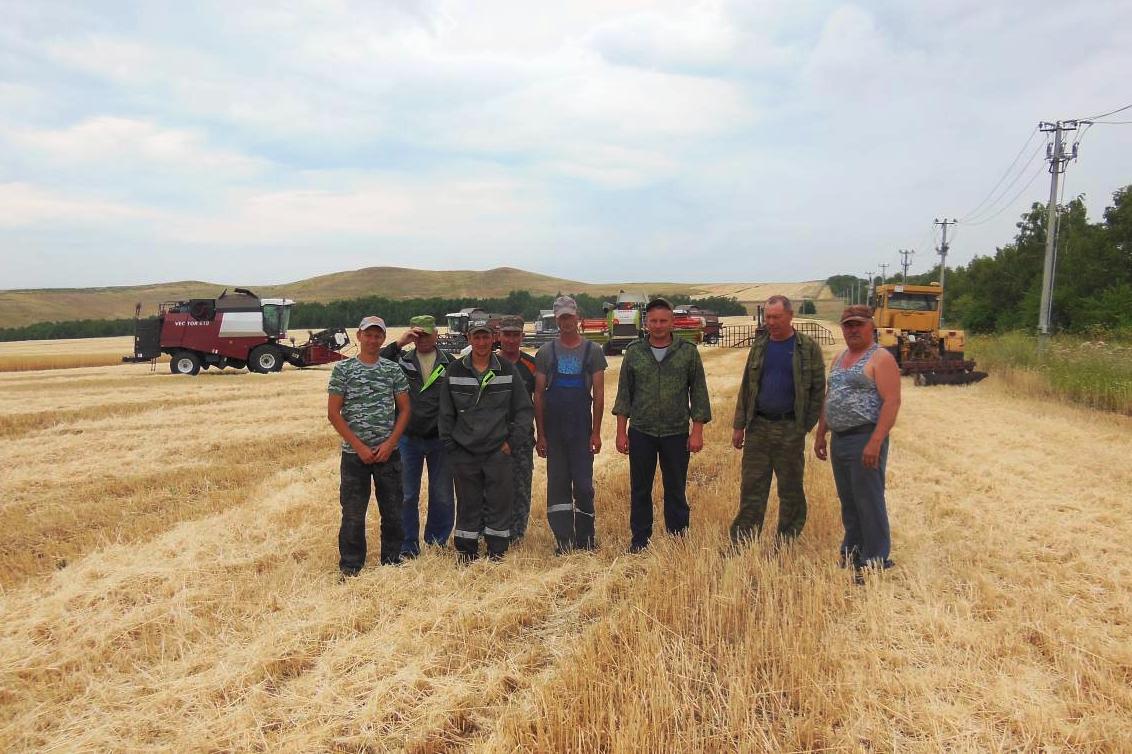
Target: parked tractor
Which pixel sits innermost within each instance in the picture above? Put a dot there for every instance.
(907, 319)
(236, 329)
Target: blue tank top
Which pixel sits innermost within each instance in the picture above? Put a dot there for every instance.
(853, 398)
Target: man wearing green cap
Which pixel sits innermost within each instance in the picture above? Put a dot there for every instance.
(424, 365)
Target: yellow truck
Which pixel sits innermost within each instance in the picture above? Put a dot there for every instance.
(907, 319)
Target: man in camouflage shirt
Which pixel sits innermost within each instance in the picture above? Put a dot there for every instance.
(368, 405)
(779, 401)
(662, 386)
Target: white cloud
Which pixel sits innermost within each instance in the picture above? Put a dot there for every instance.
(26, 205)
(119, 141)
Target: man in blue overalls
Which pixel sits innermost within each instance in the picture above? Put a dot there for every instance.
(569, 400)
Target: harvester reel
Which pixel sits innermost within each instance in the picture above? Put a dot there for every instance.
(184, 362)
(265, 359)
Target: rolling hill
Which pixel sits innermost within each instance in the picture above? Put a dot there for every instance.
(24, 307)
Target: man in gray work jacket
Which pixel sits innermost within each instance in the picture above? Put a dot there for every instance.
(485, 411)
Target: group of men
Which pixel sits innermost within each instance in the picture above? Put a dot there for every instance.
(476, 420)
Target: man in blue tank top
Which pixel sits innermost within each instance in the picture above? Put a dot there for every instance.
(860, 408)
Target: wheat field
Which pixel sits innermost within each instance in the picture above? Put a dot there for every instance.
(169, 583)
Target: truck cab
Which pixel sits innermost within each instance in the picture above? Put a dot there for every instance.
(907, 318)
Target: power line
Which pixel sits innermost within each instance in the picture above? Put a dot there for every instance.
(979, 218)
(1009, 204)
(1004, 174)
(1105, 115)
(1111, 122)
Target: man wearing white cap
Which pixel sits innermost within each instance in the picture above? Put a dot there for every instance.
(368, 405)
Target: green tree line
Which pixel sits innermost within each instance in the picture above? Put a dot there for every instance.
(1002, 292)
(348, 312)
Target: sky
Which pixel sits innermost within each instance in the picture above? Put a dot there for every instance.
(611, 140)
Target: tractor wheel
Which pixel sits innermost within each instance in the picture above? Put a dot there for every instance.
(184, 362)
(265, 359)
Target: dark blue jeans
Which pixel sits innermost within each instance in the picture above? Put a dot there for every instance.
(358, 480)
(863, 512)
(416, 452)
(644, 450)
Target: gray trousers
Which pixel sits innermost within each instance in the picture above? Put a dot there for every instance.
(483, 503)
(863, 512)
(570, 490)
(522, 468)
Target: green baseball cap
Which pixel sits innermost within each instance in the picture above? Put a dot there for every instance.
(426, 322)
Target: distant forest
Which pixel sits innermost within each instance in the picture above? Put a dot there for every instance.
(1092, 285)
(396, 312)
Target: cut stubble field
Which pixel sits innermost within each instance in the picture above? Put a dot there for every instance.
(169, 578)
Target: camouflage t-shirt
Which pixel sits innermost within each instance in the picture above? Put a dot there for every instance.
(367, 391)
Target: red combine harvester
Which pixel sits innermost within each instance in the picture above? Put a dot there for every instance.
(233, 330)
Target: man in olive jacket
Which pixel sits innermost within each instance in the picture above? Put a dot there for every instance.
(661, 388)
(780, 400)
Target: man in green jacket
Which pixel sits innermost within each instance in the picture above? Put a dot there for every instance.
(661, 388)
(780, 400)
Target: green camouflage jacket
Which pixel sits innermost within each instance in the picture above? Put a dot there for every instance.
(809, 383)
(661, 397)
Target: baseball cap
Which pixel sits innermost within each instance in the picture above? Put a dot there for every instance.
(658, 303)
(426, 322)
(478, 326)
(372, 321)
(857, 313)
(565, 305)
(511, 324)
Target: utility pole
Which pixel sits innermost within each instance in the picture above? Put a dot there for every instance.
(905, 262)
(942, 251)
(884, 272)
(868, 287)
(1058, 160)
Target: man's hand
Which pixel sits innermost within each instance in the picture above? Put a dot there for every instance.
(623, 443)
(696, 441)
(506, 448)
(595, 443)
(821, 448)
(409, 336)
(540, 447)
(366, 454)
(871, 456)
(737, 438)
(382, 452)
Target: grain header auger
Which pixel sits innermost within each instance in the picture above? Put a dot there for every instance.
(907, 319)
(236, 329)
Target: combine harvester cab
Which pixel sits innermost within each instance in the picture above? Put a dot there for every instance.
(233, 330)
(907, 319)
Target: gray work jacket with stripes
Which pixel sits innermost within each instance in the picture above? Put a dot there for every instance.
(479, 413)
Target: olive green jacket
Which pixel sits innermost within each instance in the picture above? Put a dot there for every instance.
(661, 397)
(809, 383)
